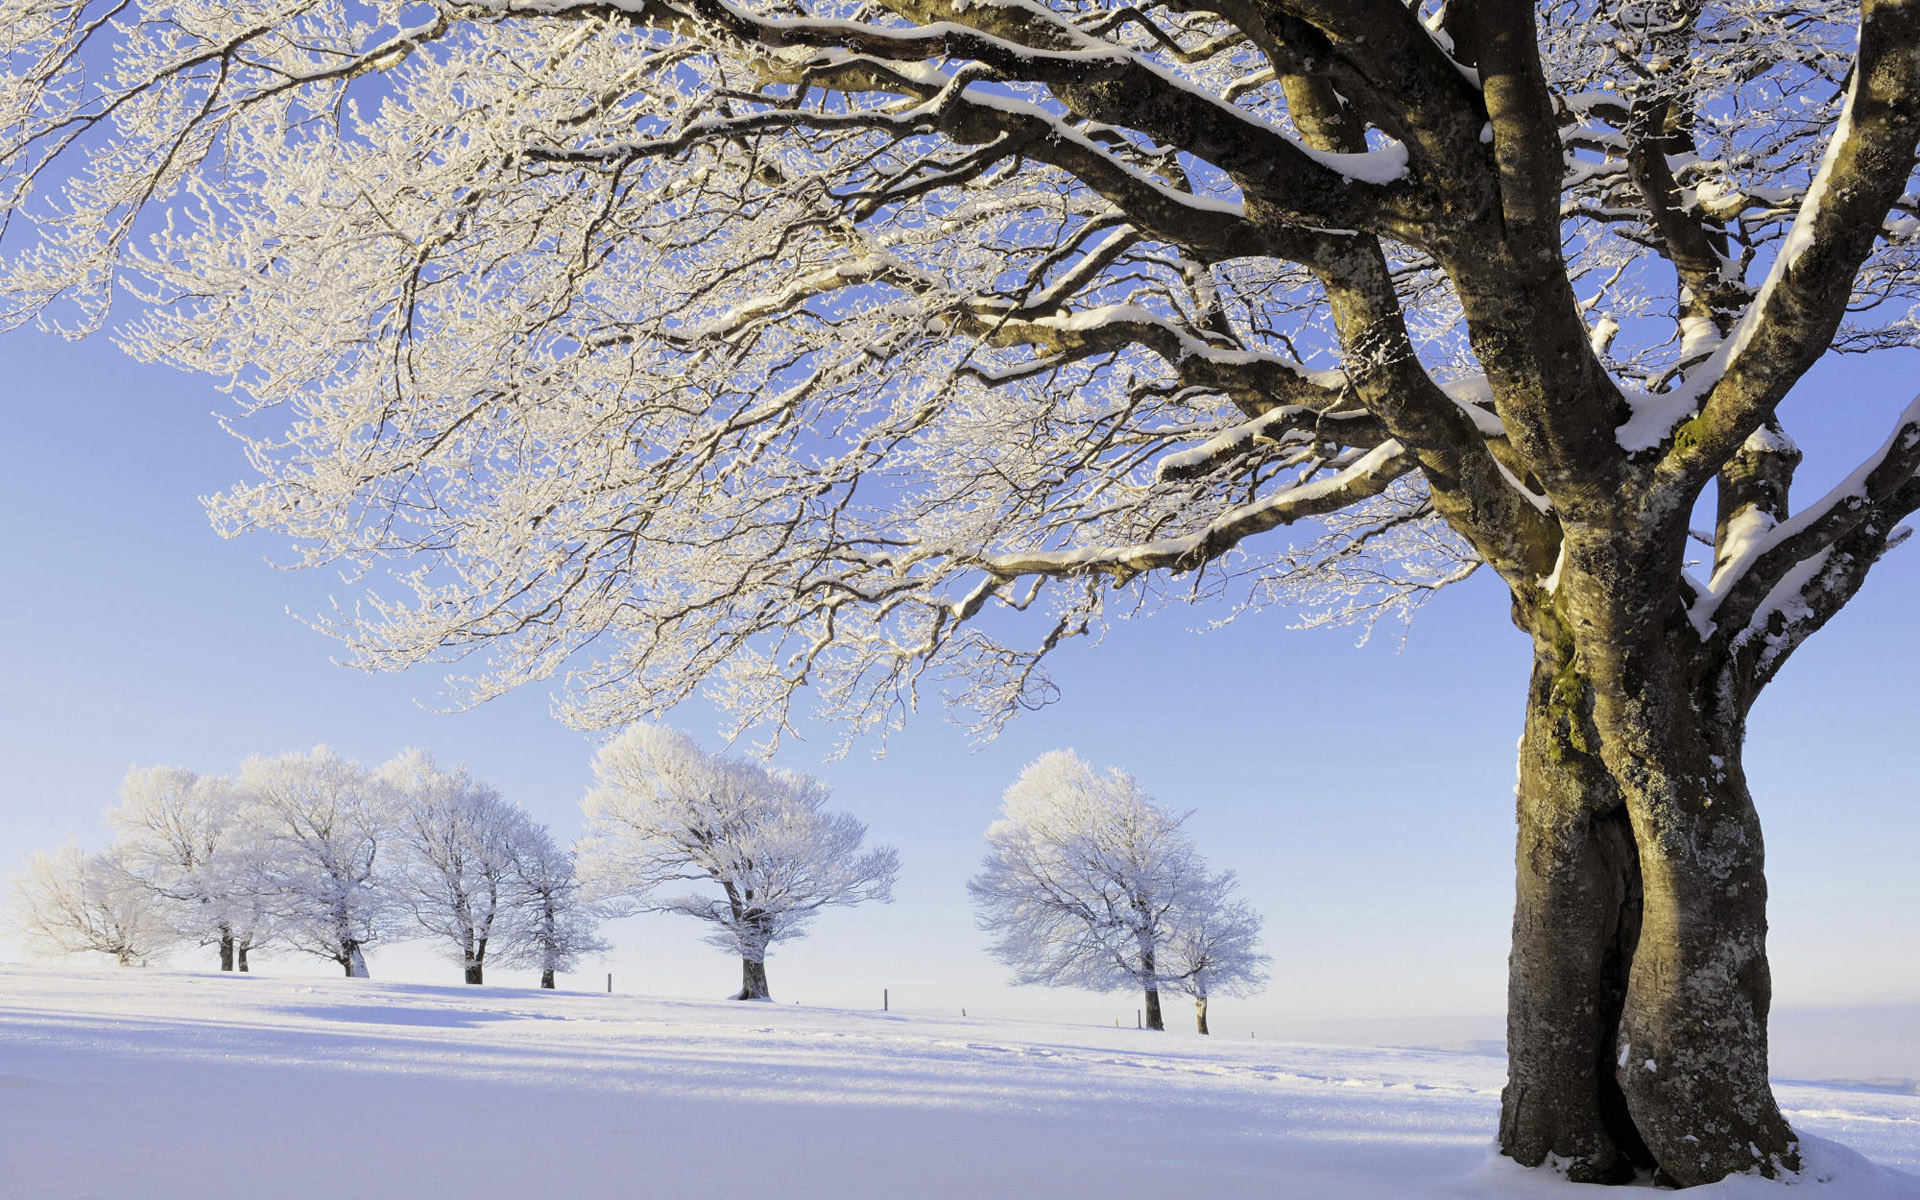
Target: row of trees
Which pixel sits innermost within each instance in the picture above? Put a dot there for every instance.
(319, 854)
(322, 855)
(1089, 883)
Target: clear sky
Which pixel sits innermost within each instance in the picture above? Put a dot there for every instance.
(1363, 794)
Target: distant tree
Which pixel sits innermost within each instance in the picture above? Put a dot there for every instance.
(1210, 948)
(557, 923)
(455, 869)
(182, 835)
(664, 811)
(70, 901)
(322, 832)
(1082, 878)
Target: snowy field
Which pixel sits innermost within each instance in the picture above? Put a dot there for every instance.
(147, 1085)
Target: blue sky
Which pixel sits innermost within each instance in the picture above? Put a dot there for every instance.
(1363, 794)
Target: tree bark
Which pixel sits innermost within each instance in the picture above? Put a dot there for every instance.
(1200, 1012)
(475, 973)
(1154, 1020)
(1638, 984)
(356, 962)
(226, 949)
(1693, 1034)
(753, 981)
(1576, 920)
(546, 978)
(241, 952)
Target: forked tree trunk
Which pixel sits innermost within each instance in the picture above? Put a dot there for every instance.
(1154, 1020)
(1638, 989)
(226, 949)
(753, 981)
(1200, 1012)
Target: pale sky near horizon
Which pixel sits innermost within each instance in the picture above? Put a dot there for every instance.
(1363, 794)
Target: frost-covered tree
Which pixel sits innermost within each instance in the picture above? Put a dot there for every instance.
(1083, 877)
(663, 811)
(184, 836)
(1212, 945)
(558, 926)
(454, 839)
(71, 902)
(776, 344)
(321, 850)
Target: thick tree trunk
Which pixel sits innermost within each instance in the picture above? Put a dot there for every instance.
(241, 953)
(226, 949)
(546, 978)
(1693, 1034)
(1200, 1012)
(1576, 918)
(1154, 1020)
(753, 981)
(1638, 987)
(476, 972)
(356, 962)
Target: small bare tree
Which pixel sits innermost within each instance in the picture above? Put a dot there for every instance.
(558, 925)
(69, 902)
(663, 811)
(1211, 945)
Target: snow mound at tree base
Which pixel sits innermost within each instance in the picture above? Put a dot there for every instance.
(1828, 1171)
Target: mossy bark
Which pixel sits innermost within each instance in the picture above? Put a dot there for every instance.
(1638, 988)
(1575, 924)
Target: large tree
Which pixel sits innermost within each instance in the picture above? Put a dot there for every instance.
(182, 836)
(1084, 879)
(780, 342)
(321, 843)
(456, 841)
(767, 853)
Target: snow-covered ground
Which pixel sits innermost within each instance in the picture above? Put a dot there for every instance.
(146, 1085)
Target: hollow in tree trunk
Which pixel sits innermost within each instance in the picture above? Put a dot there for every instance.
(1638, 989)
(753, 981)
(1200, 1013)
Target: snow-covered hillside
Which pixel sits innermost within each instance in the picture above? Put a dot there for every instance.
(142, 1085)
